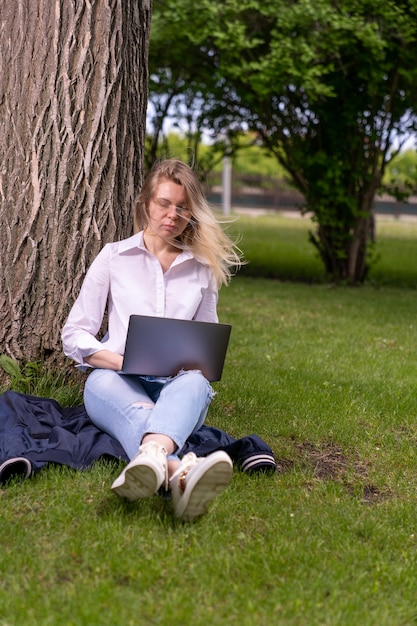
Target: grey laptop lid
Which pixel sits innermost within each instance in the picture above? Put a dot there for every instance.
(162, 346)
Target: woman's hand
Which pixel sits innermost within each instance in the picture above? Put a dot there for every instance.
(105, 359)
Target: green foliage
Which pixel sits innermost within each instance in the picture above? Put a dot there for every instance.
(401, 172)
(35, 378)
(250, 157)
(11, 367)
(326, 86)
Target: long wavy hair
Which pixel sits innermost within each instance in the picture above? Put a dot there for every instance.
(203, 235)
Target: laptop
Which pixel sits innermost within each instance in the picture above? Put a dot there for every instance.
(162, 346)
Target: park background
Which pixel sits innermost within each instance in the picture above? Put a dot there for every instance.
(326, 375)
(324, 371)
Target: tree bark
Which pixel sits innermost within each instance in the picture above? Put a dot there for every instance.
(73, 96)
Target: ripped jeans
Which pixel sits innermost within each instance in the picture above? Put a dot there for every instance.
(129, 407)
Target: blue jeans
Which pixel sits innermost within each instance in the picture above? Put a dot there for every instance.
(129, 407)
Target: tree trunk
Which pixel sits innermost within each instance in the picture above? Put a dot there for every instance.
(345, 253)
(73, 96)
(364, 234)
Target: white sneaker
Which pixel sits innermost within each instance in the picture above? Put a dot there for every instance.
(197, 481)
(145, 473)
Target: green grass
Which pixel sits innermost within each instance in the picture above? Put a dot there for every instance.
(278, 247)
(327, 376)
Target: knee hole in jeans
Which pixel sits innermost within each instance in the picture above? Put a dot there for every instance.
(143, 404)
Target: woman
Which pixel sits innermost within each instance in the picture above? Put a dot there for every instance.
(173, 267)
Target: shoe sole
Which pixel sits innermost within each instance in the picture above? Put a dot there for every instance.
(140, 481)
(214, 480)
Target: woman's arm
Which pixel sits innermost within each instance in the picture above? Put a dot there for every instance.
(79, 334)
(105, 359)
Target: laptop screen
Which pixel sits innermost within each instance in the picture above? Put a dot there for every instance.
(161, 346)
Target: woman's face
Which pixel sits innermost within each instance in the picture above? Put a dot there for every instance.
(168, 210)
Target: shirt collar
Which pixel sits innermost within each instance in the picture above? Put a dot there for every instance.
(136, 241)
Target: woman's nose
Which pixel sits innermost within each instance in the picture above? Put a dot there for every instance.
(172, 212)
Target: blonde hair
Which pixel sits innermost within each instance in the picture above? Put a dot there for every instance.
(203, 236)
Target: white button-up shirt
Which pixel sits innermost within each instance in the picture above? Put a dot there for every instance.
(127, 279)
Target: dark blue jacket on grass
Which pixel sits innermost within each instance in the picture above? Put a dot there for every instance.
(36, 431)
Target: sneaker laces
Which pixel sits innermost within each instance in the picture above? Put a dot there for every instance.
(187, 462)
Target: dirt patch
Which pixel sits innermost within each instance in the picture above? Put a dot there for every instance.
(327, 461)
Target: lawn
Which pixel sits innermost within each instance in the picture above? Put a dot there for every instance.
(326, 375)
(278, 246)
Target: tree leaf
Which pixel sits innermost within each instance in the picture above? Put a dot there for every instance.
(10, 366)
